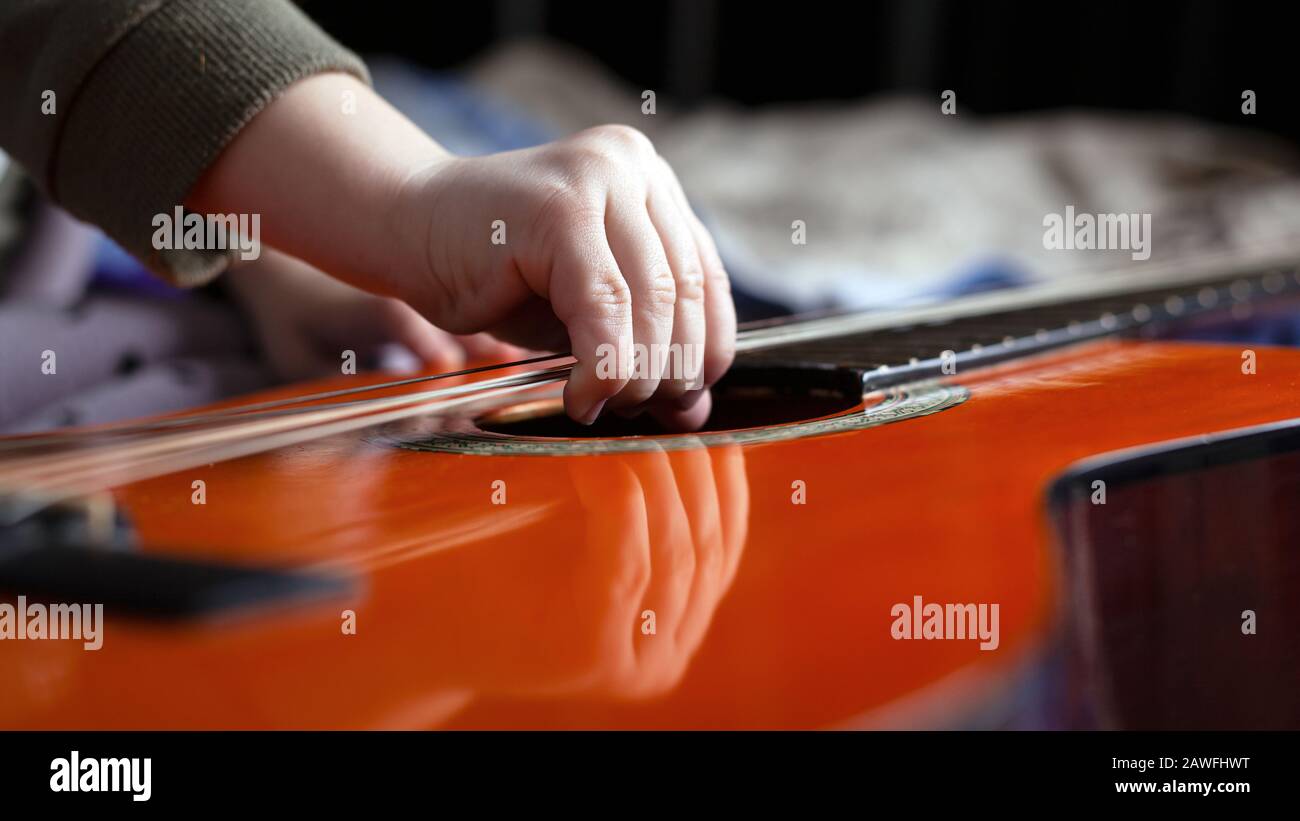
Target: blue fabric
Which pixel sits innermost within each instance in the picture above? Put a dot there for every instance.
(116, 270)
(1263, 329)
(981, 275)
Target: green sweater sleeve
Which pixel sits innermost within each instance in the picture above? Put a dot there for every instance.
(118, 106)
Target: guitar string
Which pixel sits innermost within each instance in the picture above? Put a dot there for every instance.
(282, 406)
(10, 464)
(46, 475)
(20, 468)
(34, 470)
(45, 464)
(256, 409)
(767, 333)
(32, 500)
(45, 469)
(181, 442)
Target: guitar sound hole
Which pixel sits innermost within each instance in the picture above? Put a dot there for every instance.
(747, 398)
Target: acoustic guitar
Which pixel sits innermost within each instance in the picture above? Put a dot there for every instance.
(1049, 507)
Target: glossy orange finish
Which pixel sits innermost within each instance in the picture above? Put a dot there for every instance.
(530, 614)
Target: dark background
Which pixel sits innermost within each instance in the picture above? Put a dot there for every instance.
(1000, 56)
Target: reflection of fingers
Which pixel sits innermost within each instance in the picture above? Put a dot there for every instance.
(699, 491)
(617, 537)
(733, 506)
(617, 565)
(672, 557)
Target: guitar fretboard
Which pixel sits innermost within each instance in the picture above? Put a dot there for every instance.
(903, 346)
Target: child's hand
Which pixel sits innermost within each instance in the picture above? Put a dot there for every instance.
(587, 244)
(600, 246)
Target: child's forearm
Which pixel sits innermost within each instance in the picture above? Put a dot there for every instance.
(324, 165)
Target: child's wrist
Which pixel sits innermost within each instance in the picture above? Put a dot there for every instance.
(413, 204)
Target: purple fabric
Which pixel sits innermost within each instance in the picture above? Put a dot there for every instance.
(104, 343)
(173, 385)
(55, 262)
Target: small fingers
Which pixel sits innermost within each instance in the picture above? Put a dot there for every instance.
(685, 358)
(685, 414)
(719, 309)
(637, 282)
(589, 295)
(635, 243)
(433, 346)
(487, 348)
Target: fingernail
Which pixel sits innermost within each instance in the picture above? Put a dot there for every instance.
(593, 413)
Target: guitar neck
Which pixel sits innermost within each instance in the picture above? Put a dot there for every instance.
(903, 345)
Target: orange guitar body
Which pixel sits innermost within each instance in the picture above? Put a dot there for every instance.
(713, 583)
